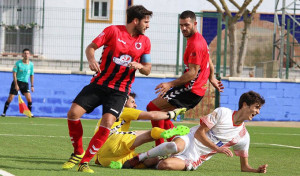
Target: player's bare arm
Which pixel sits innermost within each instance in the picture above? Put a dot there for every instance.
(162, 88)
(200, 135)
(90, 55)
(212, 79)
(144, 68)
(31, 81)
(160, 115)
(245, 167)
(15, 81)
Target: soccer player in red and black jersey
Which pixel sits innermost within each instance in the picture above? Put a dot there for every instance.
(188, 90)
(125, 50)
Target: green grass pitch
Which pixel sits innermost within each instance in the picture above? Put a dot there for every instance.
(39, 146)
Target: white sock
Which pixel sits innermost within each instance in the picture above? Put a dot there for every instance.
(160, 150)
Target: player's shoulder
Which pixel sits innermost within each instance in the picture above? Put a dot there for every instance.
(223, 111)
(118, 28)
(19, 61)
(198, 42)
(31, 63)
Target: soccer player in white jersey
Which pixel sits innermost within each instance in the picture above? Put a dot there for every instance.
(217, 132)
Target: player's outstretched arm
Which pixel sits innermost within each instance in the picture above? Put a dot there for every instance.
(159, 115)
(245, 167)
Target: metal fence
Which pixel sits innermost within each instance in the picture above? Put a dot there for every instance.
(56, 33)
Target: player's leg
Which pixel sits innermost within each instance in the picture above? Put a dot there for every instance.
(180, 97)
(159, 104)
(75, 133)
(6, 105)
(171, 164)
(84, 102)
(24, 88)
(163, 149)
(113, 103)
(12, 93)
(29, 101)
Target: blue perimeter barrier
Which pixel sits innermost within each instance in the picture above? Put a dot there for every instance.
(54, 94)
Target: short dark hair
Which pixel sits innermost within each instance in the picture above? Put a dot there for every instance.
(26, 49)
(250, 98)
(137, 11)
(132, 94)
(188, 14)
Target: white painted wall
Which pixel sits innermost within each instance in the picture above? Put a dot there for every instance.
(62, 33)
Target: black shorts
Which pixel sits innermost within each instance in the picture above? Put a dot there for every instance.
(181, 97)
(23, 86)
(93, 95)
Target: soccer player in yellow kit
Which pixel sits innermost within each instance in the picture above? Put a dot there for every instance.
(120, 145)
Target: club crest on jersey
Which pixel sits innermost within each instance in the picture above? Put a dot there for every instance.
(138, 45)
(123, 60)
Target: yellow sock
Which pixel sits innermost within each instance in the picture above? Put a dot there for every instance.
(155, 132)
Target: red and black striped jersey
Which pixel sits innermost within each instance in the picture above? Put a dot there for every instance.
(119, 49)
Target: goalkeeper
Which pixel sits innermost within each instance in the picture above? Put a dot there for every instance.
(120, 145)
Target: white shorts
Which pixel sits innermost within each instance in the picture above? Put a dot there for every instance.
(194, 153)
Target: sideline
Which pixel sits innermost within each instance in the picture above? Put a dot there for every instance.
(4, 173)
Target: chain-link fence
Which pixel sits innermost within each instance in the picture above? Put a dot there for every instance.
(57, 33)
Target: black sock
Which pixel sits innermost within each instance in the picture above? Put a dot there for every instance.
(29, 104)
(6, 107)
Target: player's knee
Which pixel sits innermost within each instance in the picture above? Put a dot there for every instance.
(152, 107)
(164, 165)
(171, 147)
(72, 114)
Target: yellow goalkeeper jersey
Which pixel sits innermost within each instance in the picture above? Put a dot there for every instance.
(125, 118)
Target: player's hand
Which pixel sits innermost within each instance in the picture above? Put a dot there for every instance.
(17, 87)
(162, 88)
(225, 150)
(262, 169)
(94, 66)
(217, 84)
(135, 65)
(32, 89)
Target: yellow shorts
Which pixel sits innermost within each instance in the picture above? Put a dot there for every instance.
(116, 148)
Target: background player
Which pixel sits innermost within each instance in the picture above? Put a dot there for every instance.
(126, 49)
(22, 70)
(217, 132)
(188, 90)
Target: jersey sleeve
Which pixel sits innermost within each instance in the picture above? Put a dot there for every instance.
(212, 119)
(129, 114)
(241, 148)
(197, 53)
(105, 36)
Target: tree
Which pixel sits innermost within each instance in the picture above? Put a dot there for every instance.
(237, 57)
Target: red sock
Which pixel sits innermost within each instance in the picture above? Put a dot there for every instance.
(96, 143)
(156, 123)
(76, 132)
(168, 124)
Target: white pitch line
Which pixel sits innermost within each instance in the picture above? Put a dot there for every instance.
(23, 135)
(4, 173)
(279, 145)
(284, 134)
